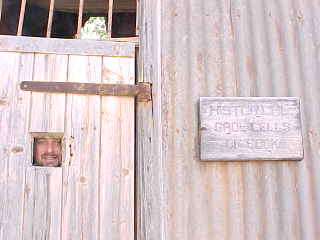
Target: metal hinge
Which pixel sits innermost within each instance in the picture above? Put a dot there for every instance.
(141, 90)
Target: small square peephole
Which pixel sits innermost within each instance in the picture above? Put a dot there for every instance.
(47, 149)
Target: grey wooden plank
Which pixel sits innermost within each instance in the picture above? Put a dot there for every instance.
(261, 128)
(42, 208)
(48, 110)
(81, 172)
(43, 191)
(150, 197)
(20, 148)
(66, 46)
(14, 151)
(149, 216)
(70, 221)
(117, 154)
(9, 69)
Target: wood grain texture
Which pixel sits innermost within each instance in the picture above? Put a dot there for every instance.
(20, 148)
(92, 195)
(150, 201)
(43, 220)
(12, 147)
(70, 199)
(149, 55)
(141, 90)
(148, 187)
(234, 129)
(81, 172)
(48, 110)
(42, 207)
(66, 46)
(117, 154)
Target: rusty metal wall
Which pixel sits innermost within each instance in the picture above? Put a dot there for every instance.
(238, 48)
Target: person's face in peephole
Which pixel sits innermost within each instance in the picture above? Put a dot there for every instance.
(47, 152)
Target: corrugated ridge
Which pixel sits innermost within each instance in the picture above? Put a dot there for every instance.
(240, 48)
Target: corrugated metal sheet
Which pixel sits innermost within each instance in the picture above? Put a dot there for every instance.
(239, 48)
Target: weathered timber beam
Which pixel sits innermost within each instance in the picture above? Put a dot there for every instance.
(141, 90)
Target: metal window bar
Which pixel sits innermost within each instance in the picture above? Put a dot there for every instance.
(80, 19)
(21, 17)
(81, 4)
(50, 18)
(110, 13)
(137, 17)
(0, 9)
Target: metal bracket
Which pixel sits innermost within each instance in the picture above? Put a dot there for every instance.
(141, 90)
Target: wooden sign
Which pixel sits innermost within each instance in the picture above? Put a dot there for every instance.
(250, 128)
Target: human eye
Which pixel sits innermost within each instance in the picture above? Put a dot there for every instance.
(41, 141)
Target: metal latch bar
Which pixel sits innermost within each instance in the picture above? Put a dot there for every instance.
(141, 90)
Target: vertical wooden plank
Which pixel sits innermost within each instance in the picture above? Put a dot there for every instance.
(151, 211)
(28, 217)
(48, 110)
(9, 69)
(117, 154)
(70, 203)
(19, 149)
(14, 109)
(81, 174)
(42, 218)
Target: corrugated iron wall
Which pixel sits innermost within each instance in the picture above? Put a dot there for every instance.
(238, 48)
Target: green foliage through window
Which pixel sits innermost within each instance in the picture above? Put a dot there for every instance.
(95, 28)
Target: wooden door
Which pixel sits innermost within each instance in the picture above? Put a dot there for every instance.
(91, 196)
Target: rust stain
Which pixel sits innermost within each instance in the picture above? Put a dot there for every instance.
(17, 149)
(3, 103)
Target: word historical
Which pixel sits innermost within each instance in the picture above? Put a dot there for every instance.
(250, 129)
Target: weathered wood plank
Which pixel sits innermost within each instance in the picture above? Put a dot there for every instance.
(9, 69)
(48, 110)
(247, 128)
(42, 218)
(66, 46)
(70, 203)
(147, 195)
(117, 156)
(14, 118)
(149, 35)
(150, 206)
(141, 90)
(20, 148)
(81, 185)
